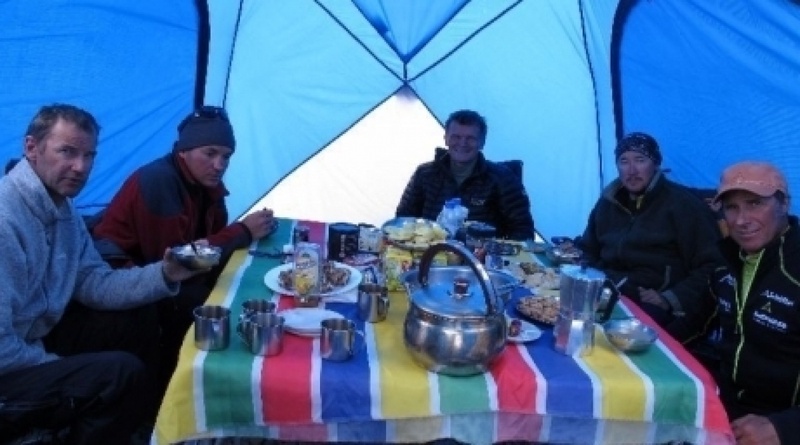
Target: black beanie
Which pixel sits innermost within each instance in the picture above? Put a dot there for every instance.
(640, 143)
(197, 131)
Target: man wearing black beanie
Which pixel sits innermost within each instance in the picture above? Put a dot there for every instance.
(174, 200)
(655, 238)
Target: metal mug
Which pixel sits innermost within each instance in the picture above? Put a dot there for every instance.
(253, 306)
(373, 302)
(211, 327)
(263, 334)
(338, 339)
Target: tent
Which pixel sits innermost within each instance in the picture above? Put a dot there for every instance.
(324, 93)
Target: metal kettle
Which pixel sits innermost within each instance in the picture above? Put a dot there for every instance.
(455, 322)
(583, 291)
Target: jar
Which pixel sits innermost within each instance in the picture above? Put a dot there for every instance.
(300, 234)
(307, 274)
(342, 241)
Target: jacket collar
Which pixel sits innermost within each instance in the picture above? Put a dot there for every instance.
(442, 159)
(783, 246)
(194, 187)
(34, 194)
(616, 192)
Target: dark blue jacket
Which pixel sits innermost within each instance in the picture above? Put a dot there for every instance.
(493, 194)
(760, 348)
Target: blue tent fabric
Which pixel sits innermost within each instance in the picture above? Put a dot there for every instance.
(558, 81)
(131, 63)
(716, 82)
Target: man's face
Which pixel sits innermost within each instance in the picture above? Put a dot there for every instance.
(463, 141)
(753, 221)
(635, 171)
(208, 163)
(63, 159)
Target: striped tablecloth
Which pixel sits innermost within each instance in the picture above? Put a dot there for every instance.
(532, 392)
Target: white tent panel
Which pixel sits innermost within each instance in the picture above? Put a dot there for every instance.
(360, 176)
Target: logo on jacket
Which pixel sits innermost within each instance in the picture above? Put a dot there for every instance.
(778, 298)
(769, 322)
(728, 279)
(477, 201)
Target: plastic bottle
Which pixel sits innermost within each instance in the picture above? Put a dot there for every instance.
(448, 217)
(460, 212)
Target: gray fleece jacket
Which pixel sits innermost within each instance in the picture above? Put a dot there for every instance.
(47, 258)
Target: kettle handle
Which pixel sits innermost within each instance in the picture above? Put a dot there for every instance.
(612, 301)
(489, 292)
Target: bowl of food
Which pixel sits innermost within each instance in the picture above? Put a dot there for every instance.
(197, 257)
(630, 334)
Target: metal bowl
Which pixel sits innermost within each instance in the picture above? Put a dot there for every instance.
(630, 335)
(205, 257)
(560, 255)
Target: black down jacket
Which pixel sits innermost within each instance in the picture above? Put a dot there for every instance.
(493, 193)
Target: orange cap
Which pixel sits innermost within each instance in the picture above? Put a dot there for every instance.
(761, 178)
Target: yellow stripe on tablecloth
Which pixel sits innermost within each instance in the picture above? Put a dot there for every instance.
(405, 389)
(177, 417)
(613, 376)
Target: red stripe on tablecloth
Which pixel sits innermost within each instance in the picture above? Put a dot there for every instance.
(714, 416)
(289, 400)
(515, 395)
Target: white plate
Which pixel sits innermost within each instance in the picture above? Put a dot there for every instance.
(528, 332)
(306, 321)
(272, 281)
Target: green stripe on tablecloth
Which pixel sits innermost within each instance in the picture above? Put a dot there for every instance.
(670, 388)
(463, 394)
(237, 357)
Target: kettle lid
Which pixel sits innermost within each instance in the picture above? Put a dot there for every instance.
(441, 299)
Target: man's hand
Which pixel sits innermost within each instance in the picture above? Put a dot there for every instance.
(260, 223)
(653, 297)
(754, 430)
(173, 271)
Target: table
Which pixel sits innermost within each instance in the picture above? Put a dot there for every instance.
(532, 392)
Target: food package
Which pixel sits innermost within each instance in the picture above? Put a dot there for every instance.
(396, 261)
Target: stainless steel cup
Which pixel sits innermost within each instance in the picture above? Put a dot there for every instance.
(338, 339)
(263, 334)
(250, 307)
(373, 302)
(211, 327)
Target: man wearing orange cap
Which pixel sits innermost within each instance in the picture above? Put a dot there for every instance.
(759, 306)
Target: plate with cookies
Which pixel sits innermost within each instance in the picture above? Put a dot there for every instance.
(540, 308)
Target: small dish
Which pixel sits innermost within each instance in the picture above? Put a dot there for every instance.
(527, 332)
(630, 334)
(305, 322)
(197, 257)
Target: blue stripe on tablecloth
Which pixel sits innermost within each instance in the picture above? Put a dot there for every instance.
(367, 432)
(352, 401)
(575, 398)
